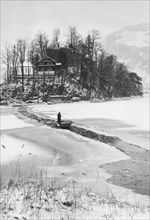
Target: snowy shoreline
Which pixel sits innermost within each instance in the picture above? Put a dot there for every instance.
(133, 151)
(124, 193)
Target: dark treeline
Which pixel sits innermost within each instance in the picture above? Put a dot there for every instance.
(100, 73)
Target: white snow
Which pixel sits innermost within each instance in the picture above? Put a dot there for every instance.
(134, 111)
(15, 147)
(11, 122)
(86, 153)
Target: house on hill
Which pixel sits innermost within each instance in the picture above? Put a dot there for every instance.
(57, 63)
(49, 70)
(17, 73)
(52, 68)
(69, 58)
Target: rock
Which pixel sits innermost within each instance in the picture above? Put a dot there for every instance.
(95, 100)
(30, 101)
(75, 99)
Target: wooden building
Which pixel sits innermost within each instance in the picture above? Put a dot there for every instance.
(49, 70)
(57, 63)
(70, 59)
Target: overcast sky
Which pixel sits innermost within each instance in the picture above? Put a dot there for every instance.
(22, 19)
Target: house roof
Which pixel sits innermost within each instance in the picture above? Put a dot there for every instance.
(25, 64)
(48, 58)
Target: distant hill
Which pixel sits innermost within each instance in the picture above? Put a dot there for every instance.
(131, 45)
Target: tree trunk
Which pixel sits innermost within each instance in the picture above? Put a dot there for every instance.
(16, 75)
(22, 71)
(44, 75)
(28, 72)
(7, 77)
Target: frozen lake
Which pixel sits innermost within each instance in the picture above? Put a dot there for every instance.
(60, 151)
(127, 119)
(134, 111)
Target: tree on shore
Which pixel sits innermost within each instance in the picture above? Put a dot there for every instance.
(38, 50)
(106, 73)
(73, 37)
(56, 38)
(21, 44)
(135, 84)
(7, 61)
(15, 61)
(107, 77)
(40, 43)
(91, 48)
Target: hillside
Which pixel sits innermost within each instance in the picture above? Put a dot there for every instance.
(131, 46)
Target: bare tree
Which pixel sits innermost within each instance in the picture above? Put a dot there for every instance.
(73, 37)
(38, 49)
(7, 61)
(28, 60)
(56, 38)
(96, 46)
(34, 57)
(15, 60)
(21, 44)
(91, 49)
(40, 44)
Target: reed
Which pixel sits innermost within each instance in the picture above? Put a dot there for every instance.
(30, 194)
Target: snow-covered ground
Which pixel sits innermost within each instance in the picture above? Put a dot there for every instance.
(134, 111)
(11, 122)
(127, 119)
(17, 147)
(86, 155)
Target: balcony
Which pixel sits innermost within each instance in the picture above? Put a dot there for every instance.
(47, 73)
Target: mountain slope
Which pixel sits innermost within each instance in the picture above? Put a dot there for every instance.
(131, 45)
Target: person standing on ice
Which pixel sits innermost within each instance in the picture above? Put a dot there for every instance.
(59, 117)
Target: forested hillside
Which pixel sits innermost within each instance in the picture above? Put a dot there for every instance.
(100, 74)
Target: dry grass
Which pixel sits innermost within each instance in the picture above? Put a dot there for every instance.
(30, 194)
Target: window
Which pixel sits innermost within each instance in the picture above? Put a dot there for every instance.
(26, 70)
